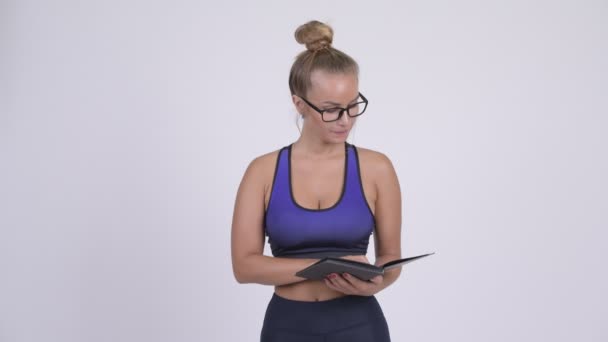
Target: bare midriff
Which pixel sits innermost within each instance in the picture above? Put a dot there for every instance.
(308, 291)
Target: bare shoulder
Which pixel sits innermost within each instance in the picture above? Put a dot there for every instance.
(374, 161)
(266, 160)
(261, 168)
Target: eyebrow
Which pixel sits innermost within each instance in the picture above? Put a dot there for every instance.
(337, 104)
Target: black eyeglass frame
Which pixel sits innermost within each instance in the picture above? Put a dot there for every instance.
(342, 109)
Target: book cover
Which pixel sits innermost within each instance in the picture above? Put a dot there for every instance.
(361, 270)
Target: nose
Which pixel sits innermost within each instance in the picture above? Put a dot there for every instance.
(345, 118)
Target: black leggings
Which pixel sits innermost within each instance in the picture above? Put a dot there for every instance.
(343, 319)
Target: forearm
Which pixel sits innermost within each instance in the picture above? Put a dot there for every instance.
(267, 270)
(390, 276)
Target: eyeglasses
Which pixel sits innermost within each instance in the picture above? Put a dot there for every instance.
(335, 113)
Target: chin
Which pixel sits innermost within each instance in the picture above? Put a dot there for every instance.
(338, 137)
(338, 140)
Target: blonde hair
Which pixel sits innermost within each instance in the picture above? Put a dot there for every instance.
(319, 55)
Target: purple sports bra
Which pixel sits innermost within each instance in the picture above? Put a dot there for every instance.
(298, 232)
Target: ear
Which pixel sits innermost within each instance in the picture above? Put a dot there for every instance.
(299, 104)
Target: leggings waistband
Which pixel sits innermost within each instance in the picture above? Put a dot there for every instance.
(331, 316)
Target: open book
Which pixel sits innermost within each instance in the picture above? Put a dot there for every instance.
(359, 269)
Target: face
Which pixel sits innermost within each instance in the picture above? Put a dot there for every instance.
(329, 90)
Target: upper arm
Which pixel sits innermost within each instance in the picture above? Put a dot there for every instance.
(387, 239)
(247, 236)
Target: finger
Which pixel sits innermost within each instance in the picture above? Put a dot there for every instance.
(334, 283)
(332, 280)
(344, 282)
(361, 286)
(330, 284)
(354, 281)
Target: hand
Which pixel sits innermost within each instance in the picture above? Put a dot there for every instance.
(349, 284)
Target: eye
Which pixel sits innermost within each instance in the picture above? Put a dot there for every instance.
(334, 110)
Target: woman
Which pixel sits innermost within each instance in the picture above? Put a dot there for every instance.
(319, 196)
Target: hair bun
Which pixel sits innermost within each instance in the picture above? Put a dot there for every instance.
(315, 35)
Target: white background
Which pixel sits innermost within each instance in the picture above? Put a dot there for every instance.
(125, 128)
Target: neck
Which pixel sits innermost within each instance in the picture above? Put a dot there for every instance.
(317, 149)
